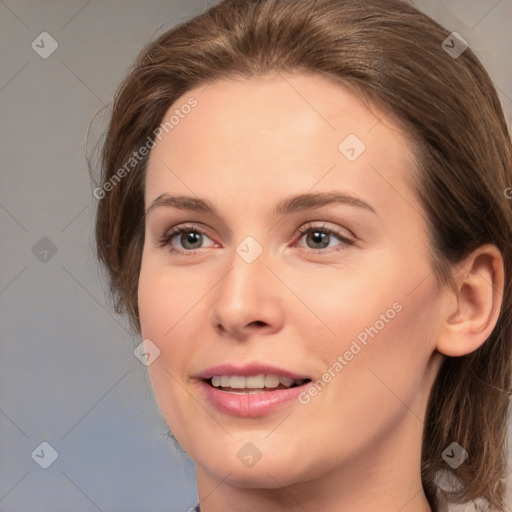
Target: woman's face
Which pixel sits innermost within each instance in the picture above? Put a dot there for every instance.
(302, 253)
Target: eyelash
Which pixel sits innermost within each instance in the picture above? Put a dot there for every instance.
(308, 228)
(166, 239)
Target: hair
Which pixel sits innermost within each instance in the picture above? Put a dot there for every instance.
(391, 53)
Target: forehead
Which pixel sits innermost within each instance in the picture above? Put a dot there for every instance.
(279, 134)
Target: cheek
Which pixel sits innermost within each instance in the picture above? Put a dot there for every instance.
(166, 310)
(166, 299)
(385, 332)
(172, 314)
(347, 303)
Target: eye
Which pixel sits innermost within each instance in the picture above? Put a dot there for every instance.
(183, 239)
(321, 237)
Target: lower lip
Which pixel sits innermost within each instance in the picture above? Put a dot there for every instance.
(250, 406)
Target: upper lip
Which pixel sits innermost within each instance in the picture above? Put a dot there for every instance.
(247, 370)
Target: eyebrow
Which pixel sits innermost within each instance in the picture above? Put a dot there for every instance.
(289, 205)
(309, 201)
(182, 203)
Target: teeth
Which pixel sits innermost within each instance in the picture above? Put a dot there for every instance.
(253, 382)
(236, 382)
(271, 381)
(286, 381)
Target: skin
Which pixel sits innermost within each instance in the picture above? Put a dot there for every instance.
(355, 446)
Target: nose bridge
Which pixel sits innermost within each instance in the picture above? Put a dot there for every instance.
(246, 295)
(241, 287)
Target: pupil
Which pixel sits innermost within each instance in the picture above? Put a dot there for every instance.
(319, 239)
(191, 240)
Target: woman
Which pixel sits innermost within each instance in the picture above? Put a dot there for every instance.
(304, 212)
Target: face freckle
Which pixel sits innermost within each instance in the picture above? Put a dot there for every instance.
(281, 229)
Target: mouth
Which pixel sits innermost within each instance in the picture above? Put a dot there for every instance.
(253, 384)
(251, 390)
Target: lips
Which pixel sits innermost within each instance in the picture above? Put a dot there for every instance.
(251, 390)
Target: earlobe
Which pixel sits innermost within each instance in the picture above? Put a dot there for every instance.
(478, 299)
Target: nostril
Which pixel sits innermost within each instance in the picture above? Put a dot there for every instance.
(258, 323)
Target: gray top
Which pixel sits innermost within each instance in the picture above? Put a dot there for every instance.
(441, 503)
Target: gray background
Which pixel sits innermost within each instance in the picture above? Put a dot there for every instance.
(68, 375)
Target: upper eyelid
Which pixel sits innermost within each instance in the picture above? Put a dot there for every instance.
(325, 227)
(186, 227)
(180, 228)
(321, 225)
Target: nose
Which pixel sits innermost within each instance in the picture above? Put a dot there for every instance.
(247, 300)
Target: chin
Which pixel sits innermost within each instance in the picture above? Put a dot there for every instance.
(267, 473)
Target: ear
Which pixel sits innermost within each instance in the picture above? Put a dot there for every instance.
(474, 304)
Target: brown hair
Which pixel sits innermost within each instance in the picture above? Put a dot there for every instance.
(388, 51)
